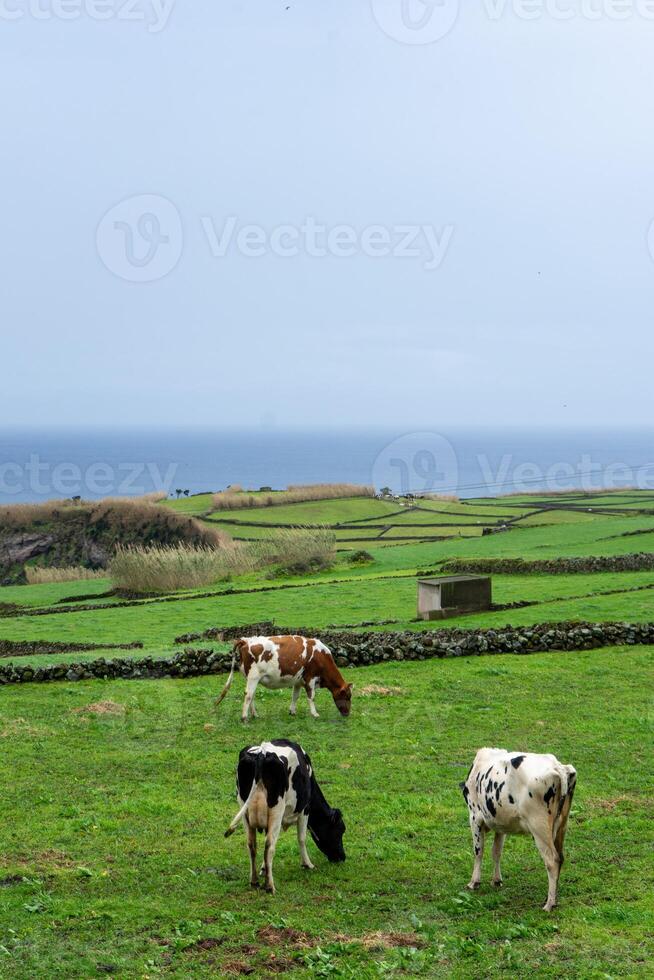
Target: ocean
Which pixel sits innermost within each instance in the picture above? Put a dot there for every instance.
(41, 465)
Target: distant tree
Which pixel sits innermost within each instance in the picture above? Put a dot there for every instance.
(386, 492)
(178, 491)
(186, 493)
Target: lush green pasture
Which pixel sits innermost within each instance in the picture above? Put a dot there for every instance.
(113, 861)
(48, 595)
(194, 506)
(338, 511)
(340, 603)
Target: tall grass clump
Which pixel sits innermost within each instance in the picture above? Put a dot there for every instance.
(297, 550)
(171, 568)
(38, 575)
(235, 499)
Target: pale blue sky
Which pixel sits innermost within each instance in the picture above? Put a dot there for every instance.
(525, 147)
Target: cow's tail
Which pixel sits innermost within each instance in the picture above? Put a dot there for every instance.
(568, 780)
(230, 678)
(239, 816)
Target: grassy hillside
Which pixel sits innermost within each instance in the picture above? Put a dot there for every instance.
(112, 859)
(65, 533)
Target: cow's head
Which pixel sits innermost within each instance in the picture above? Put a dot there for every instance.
(343, 699)
(328, 835)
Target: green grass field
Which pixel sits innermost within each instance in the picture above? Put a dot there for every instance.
(112, 856)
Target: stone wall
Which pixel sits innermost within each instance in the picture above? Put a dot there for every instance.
(639, 562)
(355, 650)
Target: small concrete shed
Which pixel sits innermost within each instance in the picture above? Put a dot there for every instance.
(452, 595)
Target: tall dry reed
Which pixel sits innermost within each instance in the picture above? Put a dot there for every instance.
(233, 499)
(171, 568)
(38, 575)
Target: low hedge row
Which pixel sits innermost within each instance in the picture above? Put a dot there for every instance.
(637, 562)
(358, 650)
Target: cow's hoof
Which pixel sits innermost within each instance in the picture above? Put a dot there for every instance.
(270, 889)
(472, 886)
(254, 884)
(309, 867)
(548, 906)
(498, 883)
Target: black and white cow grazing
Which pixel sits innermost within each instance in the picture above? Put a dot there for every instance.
(276, 788)
(519, 793)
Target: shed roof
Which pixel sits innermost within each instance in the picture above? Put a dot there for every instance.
(445, 579)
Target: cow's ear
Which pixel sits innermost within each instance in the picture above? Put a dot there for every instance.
(350, 686)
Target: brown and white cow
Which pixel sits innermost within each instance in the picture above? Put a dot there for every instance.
(519, 793)
(288, 661)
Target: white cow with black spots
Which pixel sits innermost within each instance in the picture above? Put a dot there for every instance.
(519, 793)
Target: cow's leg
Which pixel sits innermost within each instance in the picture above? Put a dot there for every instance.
(498, 844)
(250, 691)
(253, 710)
(302, 825)
(294, 696)
(252, 849)
(542, 835)
(478, 838)
(275, 815)
(310, 688)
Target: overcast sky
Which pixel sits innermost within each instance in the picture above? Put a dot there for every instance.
(442, 229)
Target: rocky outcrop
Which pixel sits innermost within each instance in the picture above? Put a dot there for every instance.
(64, 534)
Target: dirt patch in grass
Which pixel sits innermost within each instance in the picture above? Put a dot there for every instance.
(204, 944)
(280, 964)
(111, 708)
(11, 880)
(384, 940)
(238, 968)
(384, 692)
(17, 727)
(392, 940)
(42, 861)
(609, 805)
(285, 936)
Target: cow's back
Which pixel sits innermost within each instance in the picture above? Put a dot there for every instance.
(508, 789)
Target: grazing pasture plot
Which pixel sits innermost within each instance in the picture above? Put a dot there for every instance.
(155, 624)
(116, 863)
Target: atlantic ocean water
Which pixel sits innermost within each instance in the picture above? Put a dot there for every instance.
(46, 464)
